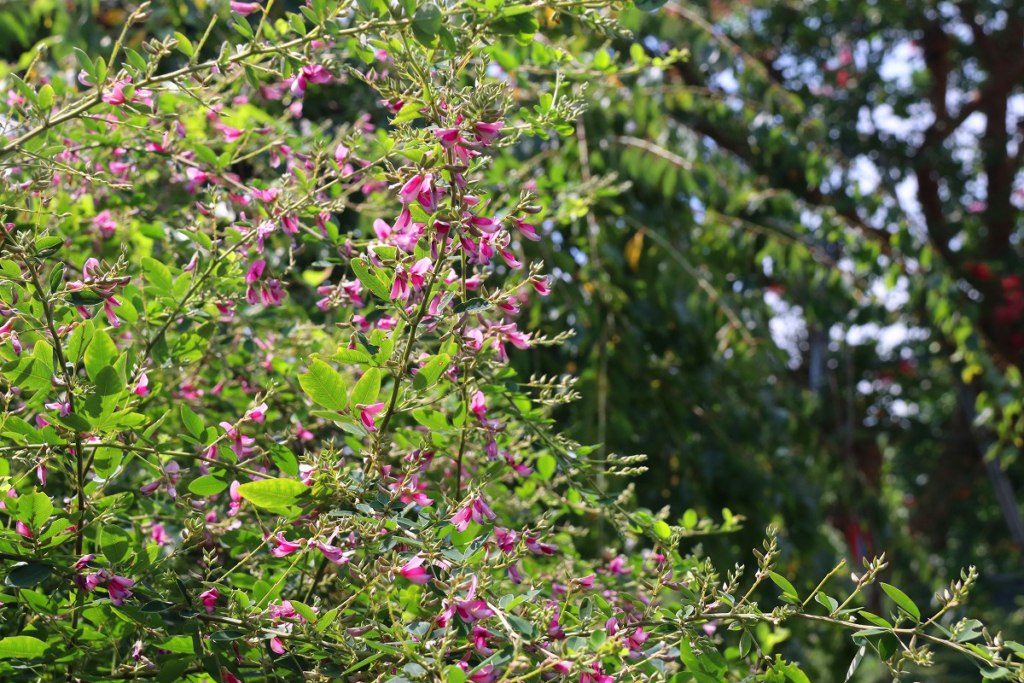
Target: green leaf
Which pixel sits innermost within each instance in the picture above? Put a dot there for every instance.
(28, 373)
(56, 278)
(47, 246)
(100, 353)
(184, 44)
(454, 674)
(193, 423)
(158, 275)
(546, 466)
(207, 485)
(371, 279)
(366, 389)
(324, 385)
(426, 24)
(34, 509)
(901, 599)
(116, 543)
(522, 626)
(429, 374)
(284, 459)
(80, 340)
(28, 574)
(784, 584)
(471, 306)
(21, 647)
(100, 404)
(274, 493)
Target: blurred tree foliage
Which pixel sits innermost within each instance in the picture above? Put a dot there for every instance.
(800, 288)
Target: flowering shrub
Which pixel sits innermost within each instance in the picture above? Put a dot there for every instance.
(259, 421)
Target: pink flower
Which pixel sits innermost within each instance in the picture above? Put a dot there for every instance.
(118, 587)
(487, 133)
(618, 566)
(245, 8)
(506, 539)
(284, 546)
(231, 134)
(478, 404)
(366, 414)
(314, 73)
(23, 529)
(477, 510)
(527, 230)
(116, 93)
(586, 582)
(255, 271)
(411, 190)
(595, 675)
(142, 388)
(240, 445)
(447, 136)
(535, 546)
(236, 499)
(637, 639)
(209, 599)
(258, 414)
(334, 554)
(472, 610)
(414, 571)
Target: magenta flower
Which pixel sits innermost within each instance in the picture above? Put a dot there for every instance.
(448, 136)
(414, 571)
(411, 190)
(478, 404)
(255, 271)
(231, 134)
(334, 554)
(119, 589)
(471, 611)
(258, 414)
(23, 529)
(245, 8)
(116, 93)
(63, 408)
(366, 414)
(536, 547)
(142, 388)
(595, 675)
(241, 445)
(506, 539)
(486, 674)
(209, 599)
(526, 230)
(314, 73)
(236, 499)
(479, 636)
(618, 566)
(284, 546)
(477, 510)
(486, 133)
